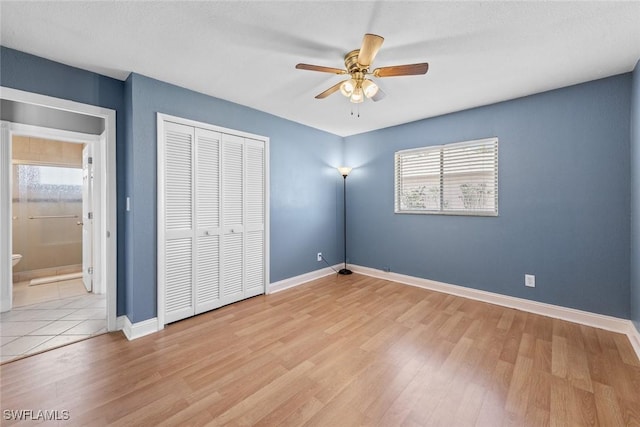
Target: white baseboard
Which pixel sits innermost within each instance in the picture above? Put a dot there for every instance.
(634, 337)
(137, 330)
(601, 321)
(120, 322)
(149, 326)
(303, 278)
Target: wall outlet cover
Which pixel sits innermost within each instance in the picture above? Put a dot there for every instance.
(530, 280)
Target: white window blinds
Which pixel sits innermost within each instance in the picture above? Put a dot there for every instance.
(453, 179)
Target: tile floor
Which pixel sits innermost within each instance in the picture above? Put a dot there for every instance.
(32, 328)
(24, 294)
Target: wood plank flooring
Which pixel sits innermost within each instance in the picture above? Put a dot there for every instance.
(340, 351)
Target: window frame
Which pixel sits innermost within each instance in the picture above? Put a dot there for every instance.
(440, 149)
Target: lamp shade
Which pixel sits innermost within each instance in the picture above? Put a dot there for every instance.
(370, 88)
(347, 87)
(344, 170)
(357, 96)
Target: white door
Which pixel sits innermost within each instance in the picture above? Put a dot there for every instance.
(254, 230)
(207, 220)
(87, 217)
(6, 283)
(179, 228)
(232, 279)
(213, 207)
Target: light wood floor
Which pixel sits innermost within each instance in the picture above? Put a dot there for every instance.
(341, 351)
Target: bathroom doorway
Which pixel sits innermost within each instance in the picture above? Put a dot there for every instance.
(51, 219)
(54, 301)
(69, 216)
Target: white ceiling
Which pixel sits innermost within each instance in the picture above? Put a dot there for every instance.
(245, 52)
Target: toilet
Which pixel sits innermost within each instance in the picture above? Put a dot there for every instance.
(15, 258)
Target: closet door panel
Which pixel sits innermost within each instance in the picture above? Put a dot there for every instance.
(178, 167)
(232, 181)
(207, 273)
(207, 261)
(255, 217)
(179, 226)
(207, 179)
(255, 191)
(233, 218)
(254, 263)
(178, 279)
(212, 195)
(232, 277)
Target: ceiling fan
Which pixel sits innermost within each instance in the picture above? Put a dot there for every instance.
(357, 63)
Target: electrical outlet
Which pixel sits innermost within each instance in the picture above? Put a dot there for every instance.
(530, 280)
(319, 256)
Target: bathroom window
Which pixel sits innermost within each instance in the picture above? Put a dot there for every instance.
(37, 183)
(47, 211)
(51, 175)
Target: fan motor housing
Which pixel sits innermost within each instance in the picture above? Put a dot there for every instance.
(351, 62)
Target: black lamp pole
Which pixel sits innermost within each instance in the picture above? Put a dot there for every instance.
(344, 173)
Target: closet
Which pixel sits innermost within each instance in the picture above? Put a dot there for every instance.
(212, 217)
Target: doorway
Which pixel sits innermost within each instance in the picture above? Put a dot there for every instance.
(52, 253)
(90, 223)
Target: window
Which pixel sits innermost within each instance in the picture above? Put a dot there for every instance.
(451, 179)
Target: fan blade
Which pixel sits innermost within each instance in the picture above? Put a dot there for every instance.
(371, 44)
(329, 91)
(320, 68)
(401, 70)
(379, 96)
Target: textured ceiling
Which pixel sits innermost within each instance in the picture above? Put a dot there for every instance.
(245, 52)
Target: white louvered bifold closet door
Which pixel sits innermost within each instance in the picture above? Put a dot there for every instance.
(232, 288)
(179, 227)
(207, 248)
(255, 217)
(213, 210)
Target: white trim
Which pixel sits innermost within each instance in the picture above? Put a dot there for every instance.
(108, 210)
(136, 330)
(601, 321)
(160, 219)
(55, 134)
(595, 320)
(634, 338)
(301, 279)
(6, 267)
(215, 128)
(120, 322)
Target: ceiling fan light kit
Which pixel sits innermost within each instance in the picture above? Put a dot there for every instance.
(357, 62)
(369, 88)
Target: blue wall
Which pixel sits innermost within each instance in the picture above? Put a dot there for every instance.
(564, 198)
(305, 188)
(30, 73)
(635, 197)
(565, 191)
(304, 184)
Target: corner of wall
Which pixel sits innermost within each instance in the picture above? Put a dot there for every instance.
(634, 282)
(127, 241)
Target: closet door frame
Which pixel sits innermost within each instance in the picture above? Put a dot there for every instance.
(161, 202)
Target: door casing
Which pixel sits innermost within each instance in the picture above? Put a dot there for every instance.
(105, 224)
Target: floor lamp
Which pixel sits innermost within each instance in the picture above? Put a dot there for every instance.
(344, 171)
